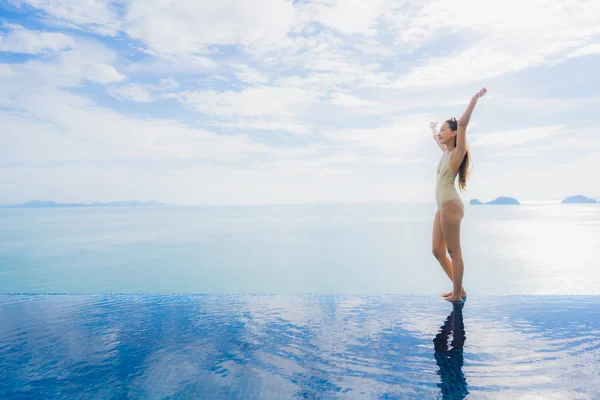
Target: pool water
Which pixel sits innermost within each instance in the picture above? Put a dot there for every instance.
(298, 346)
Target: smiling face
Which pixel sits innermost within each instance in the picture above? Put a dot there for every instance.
(446, 133)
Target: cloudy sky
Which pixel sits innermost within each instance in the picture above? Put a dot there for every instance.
(272, 101)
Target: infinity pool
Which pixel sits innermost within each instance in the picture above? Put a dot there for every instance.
(298, 346)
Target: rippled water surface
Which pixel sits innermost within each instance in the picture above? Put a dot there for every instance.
(279, 347)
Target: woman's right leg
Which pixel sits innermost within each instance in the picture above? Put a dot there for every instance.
(439, 250)
(439, 246)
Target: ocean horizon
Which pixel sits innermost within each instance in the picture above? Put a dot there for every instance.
(291, 249)
(156, 203)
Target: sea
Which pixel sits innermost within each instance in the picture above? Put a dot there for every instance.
(297, 301)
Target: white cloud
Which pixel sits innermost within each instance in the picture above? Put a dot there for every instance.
(349, 16)
(133, 92)
(516, 137)
(374, 47)
(95, 15)
(167, 84)
(141, 158)
(348, 100)
(103, 74)
(5, 70)
(187, 26)
(255, 108)
(274, 124)
(401, 137)
(19, 40)
(220, 78)
(250, 75)
(472, 64)
(66, 62)
(586, 50)
(176, 27)
(501, 41)
(572, 141)
(145, 93)
(172, 64)
(504, 41)
(72, 128)
(538, 104)
(250, 102)
(339, 75)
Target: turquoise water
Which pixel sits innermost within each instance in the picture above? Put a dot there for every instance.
(328, 249)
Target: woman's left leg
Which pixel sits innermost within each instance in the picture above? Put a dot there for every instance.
(451, 217)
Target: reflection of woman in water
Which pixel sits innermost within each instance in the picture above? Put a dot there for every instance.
(450, 362)
(452, 139)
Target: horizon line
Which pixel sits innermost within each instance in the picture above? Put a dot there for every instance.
(149, 203)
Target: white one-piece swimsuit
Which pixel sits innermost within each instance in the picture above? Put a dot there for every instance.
(444, 188)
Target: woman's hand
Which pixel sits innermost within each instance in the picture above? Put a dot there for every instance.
(466, 117)
(479, 94)
(434, 131)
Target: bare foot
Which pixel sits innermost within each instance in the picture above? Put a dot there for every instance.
(453, 298)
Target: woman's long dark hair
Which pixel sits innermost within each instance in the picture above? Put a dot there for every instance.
(464, 170)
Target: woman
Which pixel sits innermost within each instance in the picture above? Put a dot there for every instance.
(452, 139)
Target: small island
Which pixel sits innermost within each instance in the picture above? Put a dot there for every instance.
(497, 201)
(578, 200)
(52, 204)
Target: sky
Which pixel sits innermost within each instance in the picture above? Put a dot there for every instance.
(272, 101)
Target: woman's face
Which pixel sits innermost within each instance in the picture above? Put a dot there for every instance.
(446, 134)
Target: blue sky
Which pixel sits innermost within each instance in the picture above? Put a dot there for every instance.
(272, 101)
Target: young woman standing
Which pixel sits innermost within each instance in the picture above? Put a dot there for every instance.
(452, 139)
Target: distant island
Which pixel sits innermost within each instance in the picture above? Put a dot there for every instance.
(52, 204)
(578, 200)
(497, 201)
